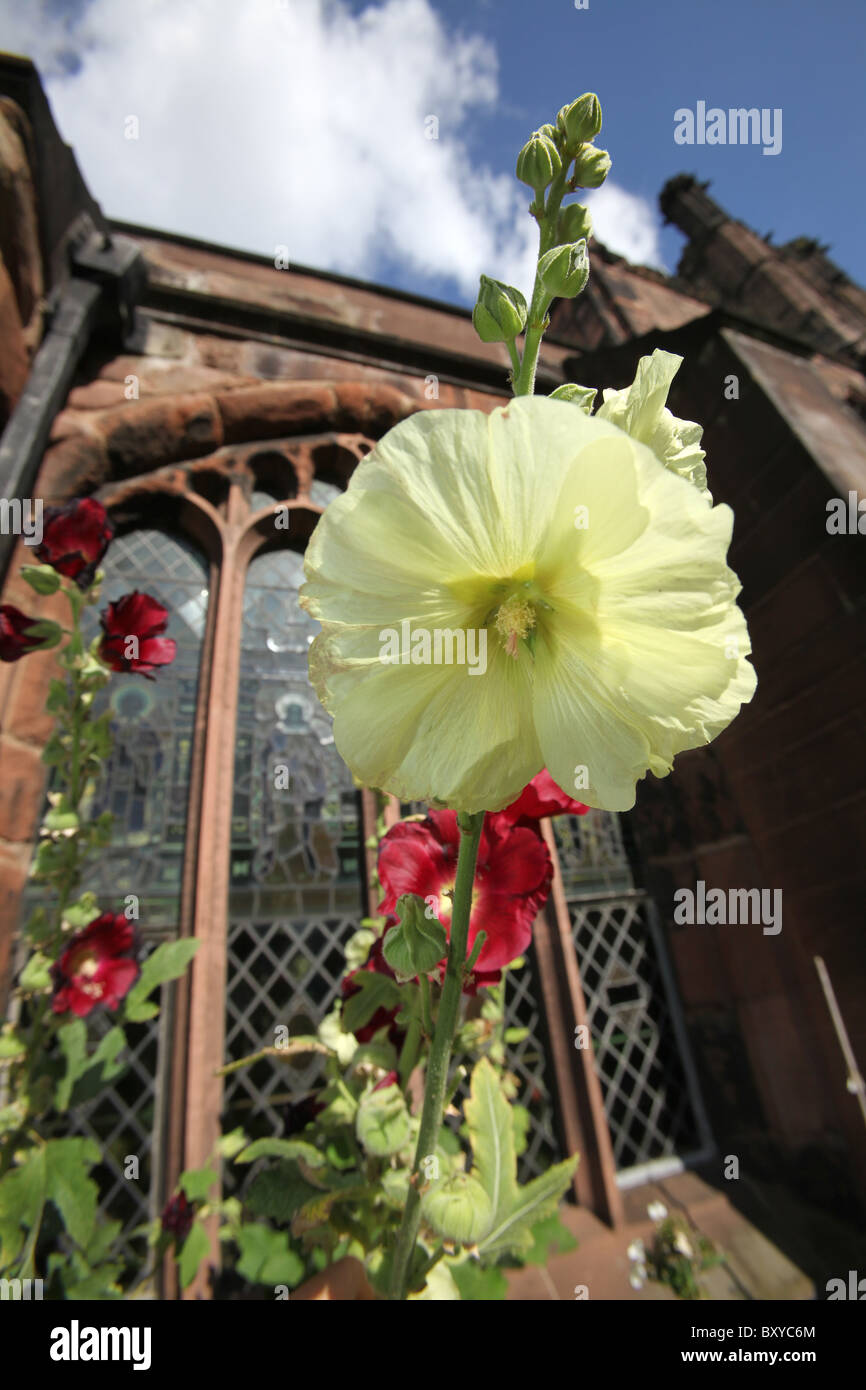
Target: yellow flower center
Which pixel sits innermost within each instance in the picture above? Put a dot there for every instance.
(514, 620)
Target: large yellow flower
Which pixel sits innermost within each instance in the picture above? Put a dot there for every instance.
(592, 576)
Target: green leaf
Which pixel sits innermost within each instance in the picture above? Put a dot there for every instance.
(41, 578)
(55, 753)
(516, 1209)
(374, 992)
(382, 1122)
(282, 1148)
(22, 1198)
(521, 1121)
(231, 1144)
(73, 1041)
(266, 1257)
(67, 1185)
(195, 1248)
(550, 1237)
(58, 698)
(81, 913)
(197, 1183)
(475, 1282)
(167, 962)
(36, 974)
(278, 1192)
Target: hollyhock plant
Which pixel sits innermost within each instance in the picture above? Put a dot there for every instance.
(17, 635)
(541, 798)
(595, 576)
(132, 640)
(74, 539)
(512, 879)
(98, 967)
(382, 1018)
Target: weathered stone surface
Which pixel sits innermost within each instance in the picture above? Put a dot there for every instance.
(146, 434)
(23, 777)
(276, 409)
(373, 409)
(75, 465)
(19, 227)
(14, 357)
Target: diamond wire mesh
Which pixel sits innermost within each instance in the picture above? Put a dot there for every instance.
(646, 1094)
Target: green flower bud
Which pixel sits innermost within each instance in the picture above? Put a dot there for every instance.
(500, 313)
(553, 133)
(573, 224)
(581, 396)
(418, 943)
(580, 121)
(591, 167)
(538, 162)
(565, 270)
(458, 1208)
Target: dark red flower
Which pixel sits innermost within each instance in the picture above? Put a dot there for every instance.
(14, 641)
(541, 797)
(132, 641)
(97, 968)
(177, 1217)
(382, 1018)
(512, 879)
(74, 539)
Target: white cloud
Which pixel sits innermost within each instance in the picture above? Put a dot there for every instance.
(626, 223)
(297, 123)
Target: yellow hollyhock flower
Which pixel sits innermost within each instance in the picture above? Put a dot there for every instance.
(593, 578)
(640, 410)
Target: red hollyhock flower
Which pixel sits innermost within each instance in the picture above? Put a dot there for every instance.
(139, 617)
(74, 539)
(177, 1217)
(512, 879)
(389, 1079)
(382, 1018)
(14, 641)
(97, 967)
(541, 797)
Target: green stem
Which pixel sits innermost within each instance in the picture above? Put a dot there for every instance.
(440, 1050)
(426, 1011)
(536, 322)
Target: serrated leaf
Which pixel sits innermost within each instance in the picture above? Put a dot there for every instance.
(282, 1148)
(374, 992)
(278, 1193)
(68, 1186)
(491, 1131)
(538, 1199)
(197, 1183)
(22, 1198)
(195, 1248)
(266, 1257)
(550, 1237)
(476, 1283)
(318, 1209)
(382, 1122)
(36, 973)
(167, 962)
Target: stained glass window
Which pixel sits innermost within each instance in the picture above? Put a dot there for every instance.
(296, 865)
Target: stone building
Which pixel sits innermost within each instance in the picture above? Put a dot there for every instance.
(192, 388)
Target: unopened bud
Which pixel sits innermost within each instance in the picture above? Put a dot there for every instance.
(580, 121)
(573, 224)
(565, 270)
(500, 313)
(538, 162)
(591, 167)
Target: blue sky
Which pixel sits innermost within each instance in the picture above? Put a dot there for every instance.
(300, 126)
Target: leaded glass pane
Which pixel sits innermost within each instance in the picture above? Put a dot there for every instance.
(296, 866)
(145, 784)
